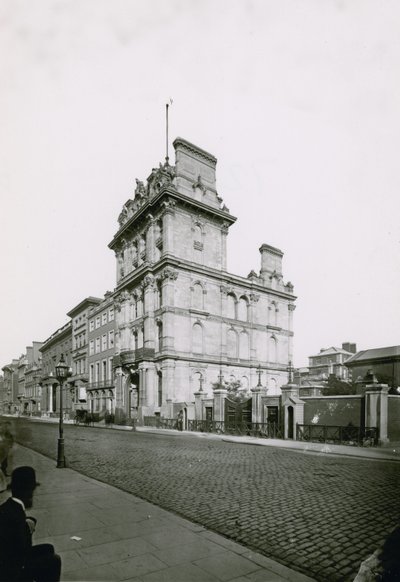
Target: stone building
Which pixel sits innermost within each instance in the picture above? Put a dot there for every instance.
(28, 379)
(100, 389)
(182, 320)
(60, 342)
(383, 362)
(80, 348)
(10, 387)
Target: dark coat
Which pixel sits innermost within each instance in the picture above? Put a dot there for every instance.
(15, 541)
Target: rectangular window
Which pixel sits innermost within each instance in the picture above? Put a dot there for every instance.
(97, 371)
(104, 318)
(91, 325)
(91, 348)
(104, 369)
(104, 342)
(110, 368)
(97, 321)
(91, 373)
(111, 338)
(111, 314)
(97, 345)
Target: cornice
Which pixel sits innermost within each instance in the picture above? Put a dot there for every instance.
(170, 192)
(193, 149)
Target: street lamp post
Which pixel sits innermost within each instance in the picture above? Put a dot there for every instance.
(62, 372)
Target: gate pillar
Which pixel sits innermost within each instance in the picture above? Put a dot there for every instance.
(219, 404)
(198, 406)
(256, 410)
(376, 409)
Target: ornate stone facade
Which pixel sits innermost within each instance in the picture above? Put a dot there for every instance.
(181, 318)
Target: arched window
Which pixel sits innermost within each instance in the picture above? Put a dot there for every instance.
(244, 346)
(159, 376)
(140, 338)
(197, 296)
(198, 234)
(139, 307)
(159, 297)
(243, 309)
(197, 384)
(272, 349)
(197, 244)
(197, 338)
(232, 343)
(159, 336)
(231, 306)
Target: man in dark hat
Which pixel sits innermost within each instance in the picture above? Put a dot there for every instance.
(19, 560)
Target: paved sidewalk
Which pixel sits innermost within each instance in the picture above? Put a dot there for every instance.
(105, 534)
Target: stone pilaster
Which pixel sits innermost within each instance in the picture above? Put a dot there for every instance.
(148, 308)
(224, 235)
(168, 227)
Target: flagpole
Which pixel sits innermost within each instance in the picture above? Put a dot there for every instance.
(166, 115)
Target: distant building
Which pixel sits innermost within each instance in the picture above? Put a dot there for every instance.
(10, 388)
(383, 362)
(28, 379)
(80, 348)
(100, 388)
(183, 320)
(60, 342)
(331, 361)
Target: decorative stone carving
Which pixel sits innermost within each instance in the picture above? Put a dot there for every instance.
(169, 273)
(254, 297)
(291, 307)
(140, 190)
(199, 184)
(225, 227)
(160, 178)
(148, 281)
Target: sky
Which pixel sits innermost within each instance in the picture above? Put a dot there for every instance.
(298, 100)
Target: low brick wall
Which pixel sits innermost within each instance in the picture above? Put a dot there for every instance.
(333, 410)
(394, 418)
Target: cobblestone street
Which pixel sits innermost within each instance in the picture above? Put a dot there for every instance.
(319, 514)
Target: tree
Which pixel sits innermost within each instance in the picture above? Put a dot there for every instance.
(336, 387)
(233, 388)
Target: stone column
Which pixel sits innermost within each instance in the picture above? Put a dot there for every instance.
(224, 234)
(168, 292)
(120, 387)
(150, 239)
(219, 404)
(291, 308)
(148, 311)
(376, 409)
(168, 227)
(254, 298)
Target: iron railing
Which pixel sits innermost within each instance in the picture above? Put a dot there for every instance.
(342, 435)
(261, 430)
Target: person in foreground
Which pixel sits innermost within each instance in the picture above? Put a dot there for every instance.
(20, 561)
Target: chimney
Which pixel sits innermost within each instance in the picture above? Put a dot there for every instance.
(349, 347)
(271, 261)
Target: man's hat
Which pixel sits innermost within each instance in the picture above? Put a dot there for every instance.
(23, 479)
